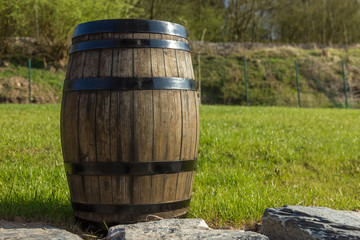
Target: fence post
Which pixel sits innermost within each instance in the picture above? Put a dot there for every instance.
(297, 82)
(246, 83)
(29, 80)
(345, 87)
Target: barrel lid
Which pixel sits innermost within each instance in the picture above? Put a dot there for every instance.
(130, 26)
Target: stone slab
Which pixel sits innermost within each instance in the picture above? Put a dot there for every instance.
(33, 231)
(299, 222)
(176, 229)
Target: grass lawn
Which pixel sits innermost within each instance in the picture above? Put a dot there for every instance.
(250, 158)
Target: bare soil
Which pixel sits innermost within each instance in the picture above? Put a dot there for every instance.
(15, 89)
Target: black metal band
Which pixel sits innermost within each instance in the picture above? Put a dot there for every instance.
(130, 26)
(133, 209)
(129, 43)
(113, 83)
(138, 168)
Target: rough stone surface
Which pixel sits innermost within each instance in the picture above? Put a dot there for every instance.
(33, 231)
(176, 229)
(298, 222)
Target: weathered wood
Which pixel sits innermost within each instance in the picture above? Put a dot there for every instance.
(157, 59)
(143, 126)
(161, 126)
(129, 126)
(143, 143)
(190, 70)
(126, 126)
(175, 120)
(171, 68)
(103, 140)
(180, 58)
(197, 124)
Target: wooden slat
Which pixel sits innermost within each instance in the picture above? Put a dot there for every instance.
(181, 187)
(157, 59)
(171, 68)
(142, 58)
(143, 123)
(187, 125)
(114, 125)
(193, 123)
(63, 125)
(103, 140)
(142, 65)
(92, 60)
(77, 65)
(170, 185)
(141, 189)
(161, 126)
(143, 144)
(106, 59)
(189, 131)
(71, 143)
(71, 127)
(160, 152)
(123, 66)
(180, 59)
(123, 59)
(87, 129)
(121, 195)
(87, 108)
(175, 123)
(120, 184)
(190, 71)
(197, 125)
(189, 141)
(182, 65)
(189, 184)
(126, 126)
(157, 190)
(103, 144)
(126, 62)
(68, 68)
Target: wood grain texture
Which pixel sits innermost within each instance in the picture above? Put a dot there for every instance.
(143, 143)
(171, 67)
(129, 126)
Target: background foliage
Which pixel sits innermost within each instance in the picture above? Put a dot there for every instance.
(283, 21)
(44, 29)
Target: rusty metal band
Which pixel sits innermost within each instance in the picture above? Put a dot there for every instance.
(114, 83)
(138, 168)
(142, 209)
(129, 43)
(130, 26)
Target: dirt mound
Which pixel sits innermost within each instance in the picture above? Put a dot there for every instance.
(15, 89)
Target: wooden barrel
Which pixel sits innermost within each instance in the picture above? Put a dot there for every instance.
(129, 121)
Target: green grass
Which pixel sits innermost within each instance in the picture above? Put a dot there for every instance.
(249, 159)
(32, 179)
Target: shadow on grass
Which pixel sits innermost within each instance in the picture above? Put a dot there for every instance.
(36, 210)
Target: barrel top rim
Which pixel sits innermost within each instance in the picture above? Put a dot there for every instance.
(130, 26)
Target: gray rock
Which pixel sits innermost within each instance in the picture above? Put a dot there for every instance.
(175, 229)
(33, 231)
(298, 222)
